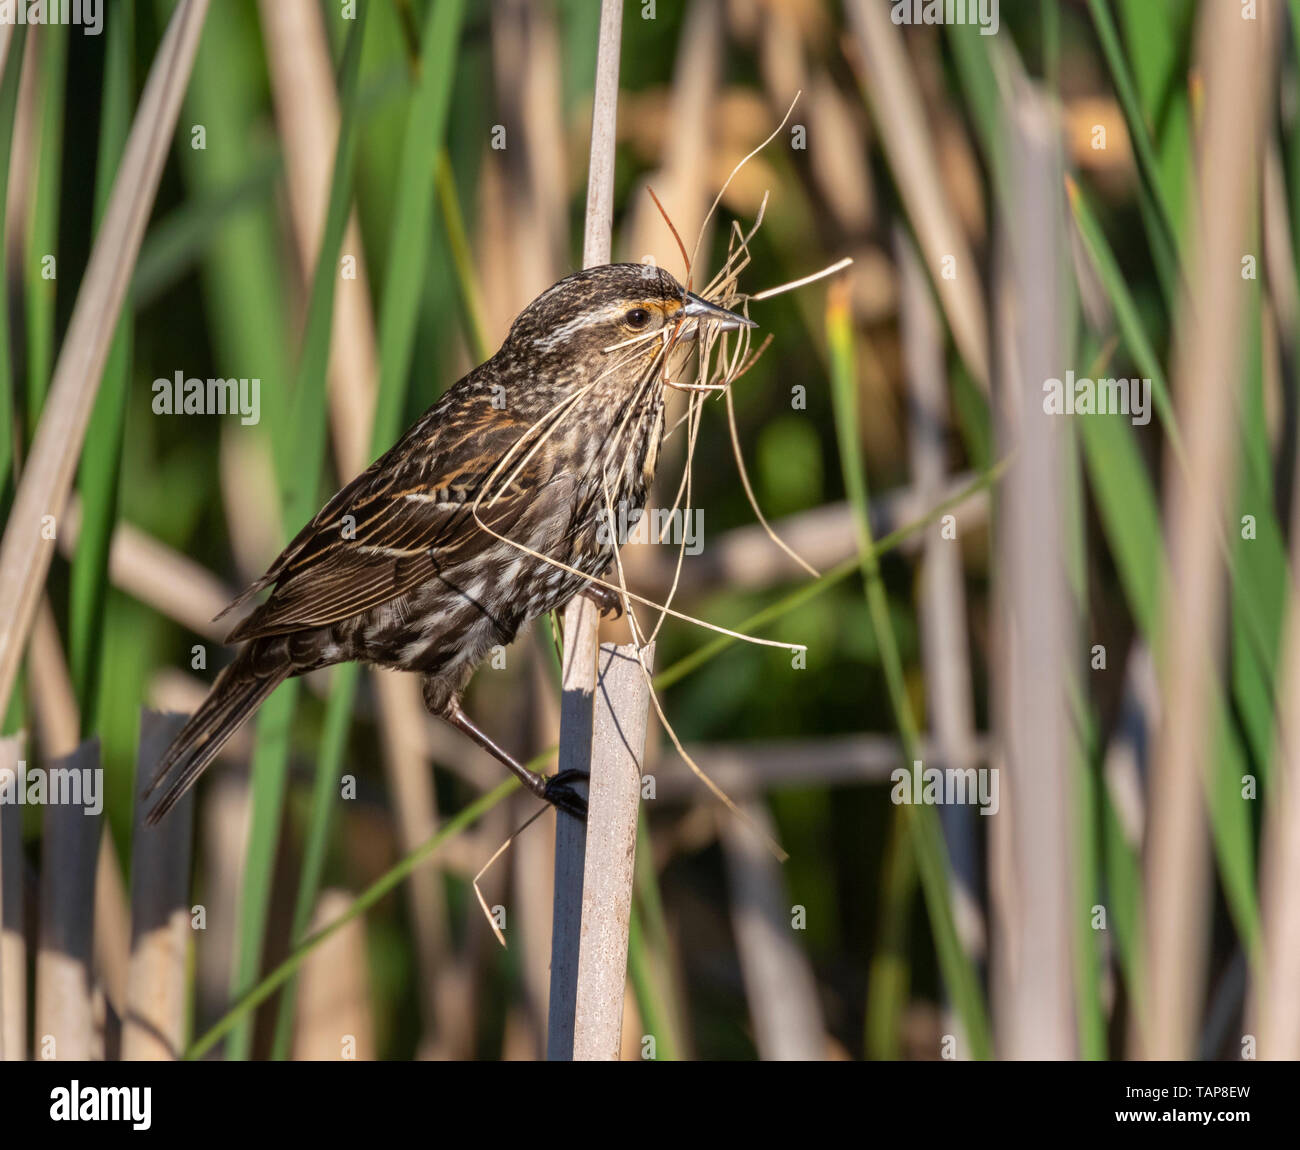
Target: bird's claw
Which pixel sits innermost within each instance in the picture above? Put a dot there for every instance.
(607, 599)
(559, 793)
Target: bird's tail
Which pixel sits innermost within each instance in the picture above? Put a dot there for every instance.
(239, 690)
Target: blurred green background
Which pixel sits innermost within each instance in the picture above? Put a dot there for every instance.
(457, 236)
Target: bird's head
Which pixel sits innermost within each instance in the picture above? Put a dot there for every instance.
(607, 323)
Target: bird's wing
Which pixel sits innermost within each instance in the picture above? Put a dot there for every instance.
(405, 519)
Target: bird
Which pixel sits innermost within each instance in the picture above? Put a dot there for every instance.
(485, 514)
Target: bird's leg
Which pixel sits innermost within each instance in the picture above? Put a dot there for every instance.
(555, 789)
(607, 599)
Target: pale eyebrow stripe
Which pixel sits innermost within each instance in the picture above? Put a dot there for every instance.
(587, 318)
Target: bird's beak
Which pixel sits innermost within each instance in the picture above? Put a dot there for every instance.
(701, 310)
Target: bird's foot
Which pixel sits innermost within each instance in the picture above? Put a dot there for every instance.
(559, 793)
(607, 599)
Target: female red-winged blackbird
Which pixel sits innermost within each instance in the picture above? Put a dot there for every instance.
(398, 569)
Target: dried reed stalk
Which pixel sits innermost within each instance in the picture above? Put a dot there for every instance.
(533, 859)
(26, 550)
(58, 725)
(944, 652)
(592, 1029)
(745, 770)
(1236, 59)
(54, 700)
(65, 1014)
(779, 984)
(22, 165)
(886, 76)
(581, 619)
(532, 223)
(1037, 642)
(334, 1012)
(405, 746)
(13, 944)
(744, 558)
(687, 168)
(6, 35)
(256, 528)
(224, 819)
(307, 114)
(156, 998)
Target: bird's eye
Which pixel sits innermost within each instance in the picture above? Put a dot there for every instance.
(638, 318)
